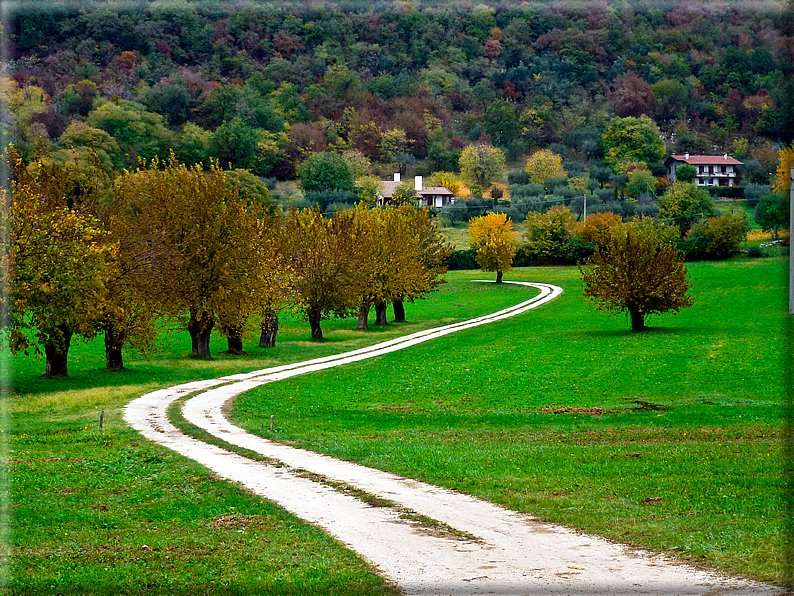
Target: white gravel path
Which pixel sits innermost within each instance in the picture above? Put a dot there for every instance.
(514, 554)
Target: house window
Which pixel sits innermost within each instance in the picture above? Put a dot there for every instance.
(724, 169)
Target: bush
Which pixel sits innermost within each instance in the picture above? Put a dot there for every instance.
(524, 205)
(455, 211)
(527, 190)
(754, 192)
(717, 238)
(757, 252)
(553, 184)
(520, 177)
(728, 192)
(603, 195)
(462, 259)
(326, 198)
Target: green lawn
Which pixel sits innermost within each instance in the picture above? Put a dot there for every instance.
(670, 440)
(686, 415)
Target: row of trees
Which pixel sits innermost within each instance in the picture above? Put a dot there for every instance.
(167, 242)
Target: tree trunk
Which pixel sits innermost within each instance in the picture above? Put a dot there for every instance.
(234, 341)
(114, 341)
(399, 311)
(200, 327)
(637, 320)
(363, 314)
(267, 339)
(380, 313)
(499, 277)
(314, 323)
(57, 351)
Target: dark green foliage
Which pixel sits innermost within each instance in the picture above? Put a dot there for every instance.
(516, 178)
(772, 212)
(462, 259)
(685, 173)
(234, 144)
(754, 192)
(726, 192)
(325, 171)
(757, 252)
(324, 199)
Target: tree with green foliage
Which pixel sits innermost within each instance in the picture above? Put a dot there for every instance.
(632, 140)
(685, 173)
(772, 212)
(549, 234)
(493, 237)
(234, 144)
(637, 270)
(325, 171)
(640, 181)
(684, 203)
(500, 122)
(482, 164)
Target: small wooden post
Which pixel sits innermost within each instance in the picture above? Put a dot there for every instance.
(101, 418)
(271, 423)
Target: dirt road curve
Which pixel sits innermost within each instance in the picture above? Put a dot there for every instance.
(478, 547)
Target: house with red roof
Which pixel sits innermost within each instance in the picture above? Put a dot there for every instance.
(710, 170)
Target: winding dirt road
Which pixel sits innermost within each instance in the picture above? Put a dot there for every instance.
(479, 548)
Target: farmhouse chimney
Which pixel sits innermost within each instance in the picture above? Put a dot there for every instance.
(418, 183)
(725, 156)
(686, 155)
(396, 176)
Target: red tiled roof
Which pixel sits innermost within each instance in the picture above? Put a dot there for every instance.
(707, 160)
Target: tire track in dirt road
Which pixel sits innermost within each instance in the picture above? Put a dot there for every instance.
(428, 540)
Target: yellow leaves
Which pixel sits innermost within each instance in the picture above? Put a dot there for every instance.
(785, 163)
(542, 165)
(493, 236)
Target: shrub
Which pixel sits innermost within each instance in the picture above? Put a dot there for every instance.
(757, 252)
(527, 190)
(462, 259)
(717, 238)
(549, 234)
(755, 192)
(520, 177)
(727, 192)
(455, 211)
(325, 198)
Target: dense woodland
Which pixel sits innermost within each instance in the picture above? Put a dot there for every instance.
(148, 140)
(408, 85)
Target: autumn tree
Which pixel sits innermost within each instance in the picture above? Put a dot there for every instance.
(638, 270)
(549, 234)
(322, 255)
(401, 256)
(430, 251)
(782, 180)
(494, 239)
(542, 165)
(482, 164)
(58, 260)
(206, 224)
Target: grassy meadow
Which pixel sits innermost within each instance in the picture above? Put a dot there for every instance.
(668, 440)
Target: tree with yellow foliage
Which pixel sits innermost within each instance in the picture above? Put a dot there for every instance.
(785, 163)
(57, 263)
(493, 237)
(542, 165)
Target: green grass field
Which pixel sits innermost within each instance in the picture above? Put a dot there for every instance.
(668, 440)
